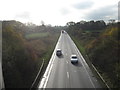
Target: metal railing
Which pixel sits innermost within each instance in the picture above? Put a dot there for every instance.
(34, 84)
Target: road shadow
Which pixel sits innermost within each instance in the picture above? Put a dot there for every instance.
(79, 64)
(61, 56)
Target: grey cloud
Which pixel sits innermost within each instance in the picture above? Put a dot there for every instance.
(104, 13)
(23, 15)
(83, 5)
(64, 11)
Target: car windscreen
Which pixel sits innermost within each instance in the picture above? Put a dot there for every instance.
(74, 57)
(58, 51)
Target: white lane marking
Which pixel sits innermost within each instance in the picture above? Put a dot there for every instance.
(68, 74)
(46, 75)
(66, 61)
(82, 61)
(85, 68)
(87, 72)
(50, 69)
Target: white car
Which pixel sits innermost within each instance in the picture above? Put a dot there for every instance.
(74, 59)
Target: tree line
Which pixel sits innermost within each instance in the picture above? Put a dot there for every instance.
(22, 58)
(88, 25)
(101, 42)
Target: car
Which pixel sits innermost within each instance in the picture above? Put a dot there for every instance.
(62, 31)
(74, 59)
(58, 52)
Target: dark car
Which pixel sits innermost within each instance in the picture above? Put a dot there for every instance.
(58, 52)
(62, 31)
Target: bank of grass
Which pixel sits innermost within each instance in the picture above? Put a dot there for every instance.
(36, 35)
(85, 56)
(93, 31)
(77, 42)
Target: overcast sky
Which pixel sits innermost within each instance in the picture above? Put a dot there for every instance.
(58, 12)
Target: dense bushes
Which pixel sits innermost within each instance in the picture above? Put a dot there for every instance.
(18, 64)
(22, 57)
(102, 47)
(104, 54)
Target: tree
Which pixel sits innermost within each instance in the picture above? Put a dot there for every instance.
(42, 23)
(111, 21)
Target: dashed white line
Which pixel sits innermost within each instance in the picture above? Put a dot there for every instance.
(83, 61)
(68, 74)
(75, 71)
(66, 61)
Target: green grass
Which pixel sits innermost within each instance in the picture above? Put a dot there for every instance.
(81, 48)
(36, 35)
(93, 30)
(49, 52)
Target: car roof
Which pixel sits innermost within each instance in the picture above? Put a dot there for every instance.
(73, 55)
(58, 49)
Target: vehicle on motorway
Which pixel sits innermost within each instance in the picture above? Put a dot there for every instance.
(62, 31)
(58, 52)
(74, 59)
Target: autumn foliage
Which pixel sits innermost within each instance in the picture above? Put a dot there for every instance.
(102, 46)
(22, 57)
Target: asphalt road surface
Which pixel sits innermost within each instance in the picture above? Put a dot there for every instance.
(63, 74)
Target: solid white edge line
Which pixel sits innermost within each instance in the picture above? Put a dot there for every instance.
(46, 75)
(50, 69)
(68, 74)
(82, 60)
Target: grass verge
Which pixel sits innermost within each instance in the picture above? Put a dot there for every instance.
(85, 56)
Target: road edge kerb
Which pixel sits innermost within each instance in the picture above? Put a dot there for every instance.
(85, 64)
(44, 79)
(93, 67)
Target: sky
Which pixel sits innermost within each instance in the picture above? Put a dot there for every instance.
(58, 12)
